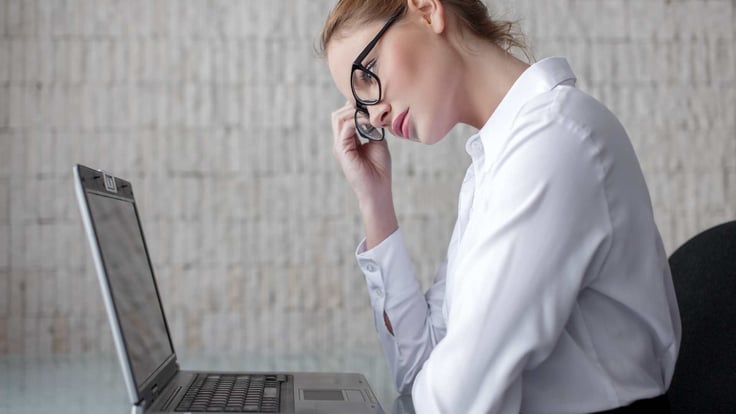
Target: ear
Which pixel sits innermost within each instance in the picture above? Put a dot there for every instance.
(431, 12)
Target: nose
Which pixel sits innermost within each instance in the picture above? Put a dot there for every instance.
(379, 114)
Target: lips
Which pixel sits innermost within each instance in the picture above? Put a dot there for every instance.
(400, 127)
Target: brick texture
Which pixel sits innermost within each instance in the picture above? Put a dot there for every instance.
(218, 111)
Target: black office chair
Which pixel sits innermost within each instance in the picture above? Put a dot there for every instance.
(704, 274)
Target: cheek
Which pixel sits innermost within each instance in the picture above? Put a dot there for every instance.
(435, 113)
(404, 71)
(419, 79)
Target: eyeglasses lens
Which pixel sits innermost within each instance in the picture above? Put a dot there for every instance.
(366, 86)
(364, 127)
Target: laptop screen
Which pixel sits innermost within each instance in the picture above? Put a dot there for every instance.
(131, 284)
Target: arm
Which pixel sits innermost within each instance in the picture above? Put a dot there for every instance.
(405, 319)
(409, 324)
(540, 225)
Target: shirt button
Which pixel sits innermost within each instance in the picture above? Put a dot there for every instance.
(370, 267)
(378, 292)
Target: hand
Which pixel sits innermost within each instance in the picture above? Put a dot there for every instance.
(367, 167)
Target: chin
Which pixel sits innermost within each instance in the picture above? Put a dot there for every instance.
(431, 139)
(432, 132)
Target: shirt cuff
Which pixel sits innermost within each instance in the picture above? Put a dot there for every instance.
(387, 268)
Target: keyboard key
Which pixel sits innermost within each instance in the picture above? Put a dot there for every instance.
(270, 392)
(233, 393)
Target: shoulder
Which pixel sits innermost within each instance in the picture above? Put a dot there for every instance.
(571, 109)
(560, 143)
(571, 127)
(559, 127)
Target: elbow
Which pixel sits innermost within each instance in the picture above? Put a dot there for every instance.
(404, 384)
(410, 359)
(405, 374)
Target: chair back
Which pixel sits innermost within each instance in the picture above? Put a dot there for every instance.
(704, 275)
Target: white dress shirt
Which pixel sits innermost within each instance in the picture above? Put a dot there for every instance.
(556, 295)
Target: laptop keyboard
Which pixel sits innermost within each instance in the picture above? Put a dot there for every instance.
(233, 393)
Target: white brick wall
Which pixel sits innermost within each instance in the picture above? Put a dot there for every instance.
(219, 113)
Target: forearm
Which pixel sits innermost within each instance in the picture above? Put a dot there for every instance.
(379, 219)
(408, 322)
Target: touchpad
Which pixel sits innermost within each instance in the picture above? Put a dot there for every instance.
(332, 395)
(323, 395)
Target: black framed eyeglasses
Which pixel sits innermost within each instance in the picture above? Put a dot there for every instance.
(366, 87)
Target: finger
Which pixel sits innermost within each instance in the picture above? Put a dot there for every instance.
(339, 117)
(342, 123)
(347, 138)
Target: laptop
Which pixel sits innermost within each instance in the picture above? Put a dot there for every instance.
(154, 382)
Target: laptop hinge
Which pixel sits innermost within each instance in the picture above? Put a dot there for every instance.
(170, 398)
(138, 408)
(158, 382)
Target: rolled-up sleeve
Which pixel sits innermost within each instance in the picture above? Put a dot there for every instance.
(415, 318)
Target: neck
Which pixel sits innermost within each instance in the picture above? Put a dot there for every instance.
(488, 74)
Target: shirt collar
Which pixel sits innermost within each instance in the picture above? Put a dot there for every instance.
(538, 78)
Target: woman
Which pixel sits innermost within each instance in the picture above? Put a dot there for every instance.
(556, 295)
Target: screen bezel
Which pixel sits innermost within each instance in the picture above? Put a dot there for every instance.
(92, 182)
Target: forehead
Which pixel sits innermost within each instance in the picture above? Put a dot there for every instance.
(342, 51)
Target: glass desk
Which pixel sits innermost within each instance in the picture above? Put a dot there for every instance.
(94, 383)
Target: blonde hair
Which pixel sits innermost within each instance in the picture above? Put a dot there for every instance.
(472, 14)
